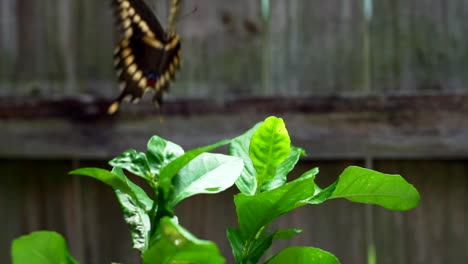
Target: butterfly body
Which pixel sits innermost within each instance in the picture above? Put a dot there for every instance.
(147, 57)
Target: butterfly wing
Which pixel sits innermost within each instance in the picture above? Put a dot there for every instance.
(167, 68)
(145, 56)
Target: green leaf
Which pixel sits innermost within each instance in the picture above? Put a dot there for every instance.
(303, 255)
(169, 171)
(134, 202)
(107, 177)
(251, 253)
(134, 162)
(257, 211)
(284, 169)
(239, 147)
(269, 147)
(160, 152)
(177, 245)
(207, 173)
(367, 186)
(321, 196)
(237, 241)
(43, 247)
(287, 233)
(136, 213)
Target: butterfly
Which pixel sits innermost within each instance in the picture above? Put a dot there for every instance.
(146, 57)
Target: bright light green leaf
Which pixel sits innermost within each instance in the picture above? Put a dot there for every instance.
(169, 171)
(239, 147)
(43, 247)
(135, 212)
(177, 245)
(257, 211)
(207, 173)
(367, 186)
(134, 162)
(106, 177)
(269, 147)
(160, 152)
(303, 255)
(284, 168)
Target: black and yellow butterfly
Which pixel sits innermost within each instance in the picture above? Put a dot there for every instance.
(147, 57)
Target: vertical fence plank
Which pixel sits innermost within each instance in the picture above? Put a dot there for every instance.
(221, 44)
(317, 46)
(94, 36)
(417, 46)
(11, 191)
(8, 43)
(426, 234)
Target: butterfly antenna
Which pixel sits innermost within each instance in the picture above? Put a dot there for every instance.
(184, 16)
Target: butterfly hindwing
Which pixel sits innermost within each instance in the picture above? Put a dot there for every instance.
(146, 58)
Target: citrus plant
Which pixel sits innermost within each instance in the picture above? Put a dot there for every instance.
(258, 163)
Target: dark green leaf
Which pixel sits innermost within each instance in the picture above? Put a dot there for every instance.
(207, 173)
(258, 245)
(169, 171)
(257, 211)
(136, 213)
(237, 242)
(269, 147)
(177, 245)
(263, 242)
(160, 152)
(321, 196)
(239, 147)
(41, 247)
(106, 177)
(287, 233)
(283, 169)
(303, 255)
(367, 186)
(134, 162)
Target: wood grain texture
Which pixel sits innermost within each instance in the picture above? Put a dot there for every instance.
(304, 47)
(328, 127)
(434, 232)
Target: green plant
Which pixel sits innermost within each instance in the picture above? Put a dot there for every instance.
(258, 164)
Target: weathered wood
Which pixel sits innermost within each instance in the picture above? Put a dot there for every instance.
(305, 47)
(434, 232)
(328, 127)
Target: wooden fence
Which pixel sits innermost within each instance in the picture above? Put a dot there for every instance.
(299, 47)
(39, 195)
(383, 85)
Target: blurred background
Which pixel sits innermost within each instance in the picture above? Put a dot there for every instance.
(381, 84)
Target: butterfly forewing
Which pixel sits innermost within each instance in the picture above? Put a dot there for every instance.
(146, 58)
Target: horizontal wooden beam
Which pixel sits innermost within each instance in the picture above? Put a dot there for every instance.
(328, 127)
